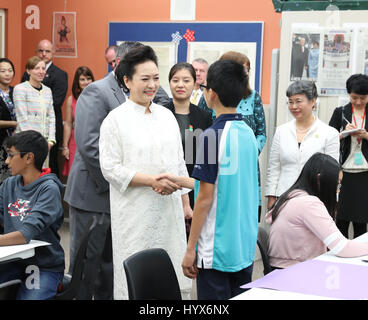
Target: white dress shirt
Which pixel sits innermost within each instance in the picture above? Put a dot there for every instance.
(287, 159)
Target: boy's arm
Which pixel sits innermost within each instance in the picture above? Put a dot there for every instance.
(201, 208)
(12, 238)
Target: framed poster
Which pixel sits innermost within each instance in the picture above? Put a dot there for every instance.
(64, 35)
(188, 40)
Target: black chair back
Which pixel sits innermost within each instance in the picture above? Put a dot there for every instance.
(262, 242)
(151, 276)
(71, 284)
(9, 289)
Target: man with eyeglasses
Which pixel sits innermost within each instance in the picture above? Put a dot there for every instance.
(57, 80)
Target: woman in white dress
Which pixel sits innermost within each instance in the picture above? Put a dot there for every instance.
(139, 140)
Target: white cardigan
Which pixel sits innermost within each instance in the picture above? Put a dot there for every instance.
(286, 159)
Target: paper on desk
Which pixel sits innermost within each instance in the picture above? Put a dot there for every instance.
(6, 252)
(344, 134)
(321, 278)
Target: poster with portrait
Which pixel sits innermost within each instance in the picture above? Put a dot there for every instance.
(305, 53)
(64, 34)
(336, 63)
(361, 58)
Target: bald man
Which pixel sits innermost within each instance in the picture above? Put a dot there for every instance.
(57, 80)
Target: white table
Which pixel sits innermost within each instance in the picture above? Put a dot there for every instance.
(269, 294)
(21, 251)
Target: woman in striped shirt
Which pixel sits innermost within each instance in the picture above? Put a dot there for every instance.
(33, 102)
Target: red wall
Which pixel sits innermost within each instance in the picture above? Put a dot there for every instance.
(92, 28)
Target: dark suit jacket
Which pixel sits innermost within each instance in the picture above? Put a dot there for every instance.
(87, 189)
(5, 115)
(57, 80)
(338, 123)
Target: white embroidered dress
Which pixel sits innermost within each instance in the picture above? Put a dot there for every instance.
(133, 141)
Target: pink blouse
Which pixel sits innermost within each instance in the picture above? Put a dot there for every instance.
(303, 230)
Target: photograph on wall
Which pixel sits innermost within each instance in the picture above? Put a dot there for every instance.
(361, 57)
(212, 51)
(335, 66)
(305, 52)
(64, 34)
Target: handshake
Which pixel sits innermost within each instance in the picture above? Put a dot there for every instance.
(167, 183)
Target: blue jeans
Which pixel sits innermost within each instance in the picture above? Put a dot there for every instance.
(218, 285)
(37, 284)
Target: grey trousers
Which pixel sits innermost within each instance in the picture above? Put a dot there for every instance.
(98, 272)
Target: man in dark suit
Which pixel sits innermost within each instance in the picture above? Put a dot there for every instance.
(57, 80)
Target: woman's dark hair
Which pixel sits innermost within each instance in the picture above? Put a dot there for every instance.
(357, 83)
(29, 141)
(182, 65)
(81, 71)
(319, 177)
(127, 65)
(8, 61)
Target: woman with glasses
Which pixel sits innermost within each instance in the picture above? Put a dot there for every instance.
(138, 141)
(297, 140)
(302, 220)
(8, 121)
(182, 77)
(352, 205)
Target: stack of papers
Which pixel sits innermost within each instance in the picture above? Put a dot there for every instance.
(22, 251)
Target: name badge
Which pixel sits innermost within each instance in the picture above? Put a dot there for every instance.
(358, 158)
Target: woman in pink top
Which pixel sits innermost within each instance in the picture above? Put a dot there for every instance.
(82, 78)
(302, 220)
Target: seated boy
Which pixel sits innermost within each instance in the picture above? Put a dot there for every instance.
(31, 208)
(225, 218)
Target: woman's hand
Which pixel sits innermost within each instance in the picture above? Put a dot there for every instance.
(271, 201)
(65, 153)
(164, 186)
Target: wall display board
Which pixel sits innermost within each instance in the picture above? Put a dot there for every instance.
(185, 41)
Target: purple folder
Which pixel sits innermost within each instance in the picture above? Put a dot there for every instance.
(321, 278)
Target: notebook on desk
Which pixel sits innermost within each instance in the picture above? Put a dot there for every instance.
(21, 251)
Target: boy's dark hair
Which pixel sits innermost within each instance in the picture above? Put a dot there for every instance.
(29, 141)
(229, 80)
(358, 84)
(134, 57)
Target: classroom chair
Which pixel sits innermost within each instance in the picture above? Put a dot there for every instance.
(9, 289)
(151, 276)
(262, 242)
(71, 284)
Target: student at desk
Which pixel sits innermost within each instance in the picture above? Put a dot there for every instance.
(31, 208)
(302, 219)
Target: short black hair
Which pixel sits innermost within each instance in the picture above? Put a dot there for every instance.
(29, 141)
(357, 83)
(134, 57)
(7, 61)
(229, 80)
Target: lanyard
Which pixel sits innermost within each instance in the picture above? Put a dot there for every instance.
(363, 118)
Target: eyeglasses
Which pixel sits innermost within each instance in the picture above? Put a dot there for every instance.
(339, 186)
(12, 154)
(202, 86)
(296, 103)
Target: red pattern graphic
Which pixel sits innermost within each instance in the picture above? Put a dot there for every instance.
(189, 35)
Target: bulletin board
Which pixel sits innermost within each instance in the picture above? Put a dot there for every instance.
(184, 40)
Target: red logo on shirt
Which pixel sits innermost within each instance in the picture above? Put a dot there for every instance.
(19, 208)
